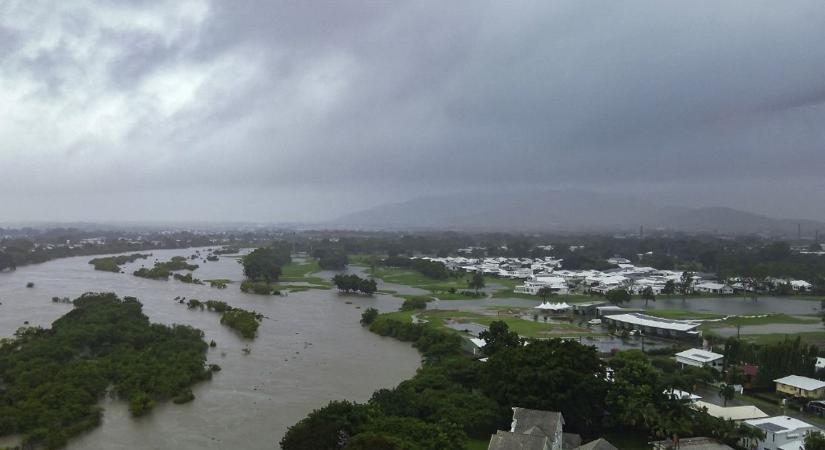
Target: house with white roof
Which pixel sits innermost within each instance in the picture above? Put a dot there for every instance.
(801, 285)
(653, 326)
(697, 357)
(781, 433)
(710, 287)
(797, 386)
(734, 413)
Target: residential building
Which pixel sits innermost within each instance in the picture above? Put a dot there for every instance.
(700, 358)
(541, 430)
(734, 413)
(710, 287)
(531, 429)
(654, 326)
(797, 386)
(781, 433)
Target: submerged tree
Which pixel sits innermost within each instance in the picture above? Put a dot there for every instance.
(476, 282)
(686, 284)
(617, 296)
(648, 295)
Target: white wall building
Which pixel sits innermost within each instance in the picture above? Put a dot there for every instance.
(700, 358)
(781, 433)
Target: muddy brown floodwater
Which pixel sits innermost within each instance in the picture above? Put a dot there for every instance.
(310, 350)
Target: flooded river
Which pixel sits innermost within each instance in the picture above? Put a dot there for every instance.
(310, 349)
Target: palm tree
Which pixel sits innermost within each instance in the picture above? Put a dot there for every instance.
(727, 393)
(545, 292)
(647, 295)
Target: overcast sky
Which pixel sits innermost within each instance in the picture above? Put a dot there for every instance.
(305, 110)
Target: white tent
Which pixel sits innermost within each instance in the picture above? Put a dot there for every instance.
(554, 306)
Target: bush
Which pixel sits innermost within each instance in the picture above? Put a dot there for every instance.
(184, 397)
(414, 303)
(244, 322)
(257, 287)
(140, 404)
(369, 316)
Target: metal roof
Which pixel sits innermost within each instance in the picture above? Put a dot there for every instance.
(804, 383)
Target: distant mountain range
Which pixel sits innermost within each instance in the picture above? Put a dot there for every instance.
(563, 211)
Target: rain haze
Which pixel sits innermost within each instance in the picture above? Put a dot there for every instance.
(307, 111)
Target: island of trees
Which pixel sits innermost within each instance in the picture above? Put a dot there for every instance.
(244, 322)
(113, 263)
(162, 270)
(262, 267)
(53, 378)
(354, 283)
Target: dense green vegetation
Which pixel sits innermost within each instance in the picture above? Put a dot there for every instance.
(617, 296)
(259, 287)
(187, 278)
(219, 283)
(52, 378)
(264, 263)
(415, 302)
(453, 398)
(775, 360)
(113, 263)
(354, 283)
(162, 270)
(243, 321)
(368, 316)
(430, 269)
(330, 256)
(155, 273)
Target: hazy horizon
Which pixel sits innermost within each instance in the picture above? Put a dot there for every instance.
(283, 112)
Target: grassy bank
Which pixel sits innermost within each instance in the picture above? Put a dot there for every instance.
(301, 272)
(770, 319)
(525, 328)
(677, 314)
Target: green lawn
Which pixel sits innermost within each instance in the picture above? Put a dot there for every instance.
(813, 337)
(301, 272)
(438, 288)
(526, 328)
(734, 321)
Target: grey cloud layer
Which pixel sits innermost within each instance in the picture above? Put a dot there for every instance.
(700, 101)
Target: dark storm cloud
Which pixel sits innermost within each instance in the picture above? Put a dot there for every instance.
(352, 103)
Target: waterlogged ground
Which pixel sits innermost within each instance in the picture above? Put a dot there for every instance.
(309, 350)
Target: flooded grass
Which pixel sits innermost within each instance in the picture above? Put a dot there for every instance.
(675, 314)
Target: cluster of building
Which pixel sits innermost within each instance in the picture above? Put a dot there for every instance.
(781, 432)
(538, 273)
